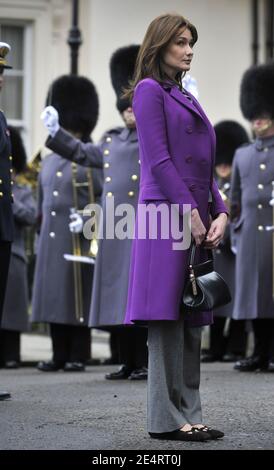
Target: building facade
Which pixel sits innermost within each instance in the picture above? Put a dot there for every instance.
(232, 35)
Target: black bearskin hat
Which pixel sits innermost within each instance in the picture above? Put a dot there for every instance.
(19, 157)
(257, 91)
(76, 101)
(229, 136)
(122, 65)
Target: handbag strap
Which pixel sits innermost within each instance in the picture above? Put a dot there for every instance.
(193, 252)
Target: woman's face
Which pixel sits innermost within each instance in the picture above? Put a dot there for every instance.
(178, 54)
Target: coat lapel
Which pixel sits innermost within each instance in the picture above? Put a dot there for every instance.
(178, 96)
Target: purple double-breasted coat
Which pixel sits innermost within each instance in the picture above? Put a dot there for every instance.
(177, 151)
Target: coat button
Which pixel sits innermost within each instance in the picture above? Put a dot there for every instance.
(189, 159)
(12, 183)
(189, 129)
(52, 235)
(53, 213)
(260, 228)
(1, 194)
(55, 193)
(107, 179)
(1, 181)
(192, 187)
(260, 186)
(260, 206)
(134, 177)
(59, 174)
(106, 165)
(139, 161)
(109, 194)
(11, 170)
(108, 139)
(10, 157)
(106, 152)
(266, 149)
(131, 193)
(262, 166)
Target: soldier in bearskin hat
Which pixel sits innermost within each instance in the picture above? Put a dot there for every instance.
(54, 290)
(251, 193)
(15, 313)
(6, 216)
(230, 346)
(119, 151)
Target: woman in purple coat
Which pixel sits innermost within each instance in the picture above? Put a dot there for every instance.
(177, 148)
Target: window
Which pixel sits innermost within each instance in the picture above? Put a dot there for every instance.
(15, 98)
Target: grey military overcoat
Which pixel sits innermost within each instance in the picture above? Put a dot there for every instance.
(251, 188)
(54, 288)
(15, 313)
(119, 150)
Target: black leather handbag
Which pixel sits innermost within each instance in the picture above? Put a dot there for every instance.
(205, 289)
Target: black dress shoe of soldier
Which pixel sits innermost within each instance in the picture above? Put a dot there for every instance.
(231, 357)
(122, 373)
(50, 366)
(138, 374)
(4, 395)
(209, 357)
(250, 364)
(270, 367)
(12, 365)
(74, 367)
(179, 435)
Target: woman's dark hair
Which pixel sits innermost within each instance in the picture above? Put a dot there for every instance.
(161, 31)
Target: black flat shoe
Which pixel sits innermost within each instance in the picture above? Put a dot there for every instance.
(122, 373)
(213, 433)
(74, 367)
(192, 435)
(49, 366)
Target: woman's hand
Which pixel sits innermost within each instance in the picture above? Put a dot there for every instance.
(198, 229)
(216, 231)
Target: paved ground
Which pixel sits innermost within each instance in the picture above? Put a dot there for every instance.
(84, 411)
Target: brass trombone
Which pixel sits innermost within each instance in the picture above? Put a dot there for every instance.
(78, 257)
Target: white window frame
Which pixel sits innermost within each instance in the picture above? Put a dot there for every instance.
(24, 124)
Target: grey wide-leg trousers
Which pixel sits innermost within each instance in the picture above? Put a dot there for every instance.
(173, 397)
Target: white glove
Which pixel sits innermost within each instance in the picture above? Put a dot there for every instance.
(50, 118)
(76, 224)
